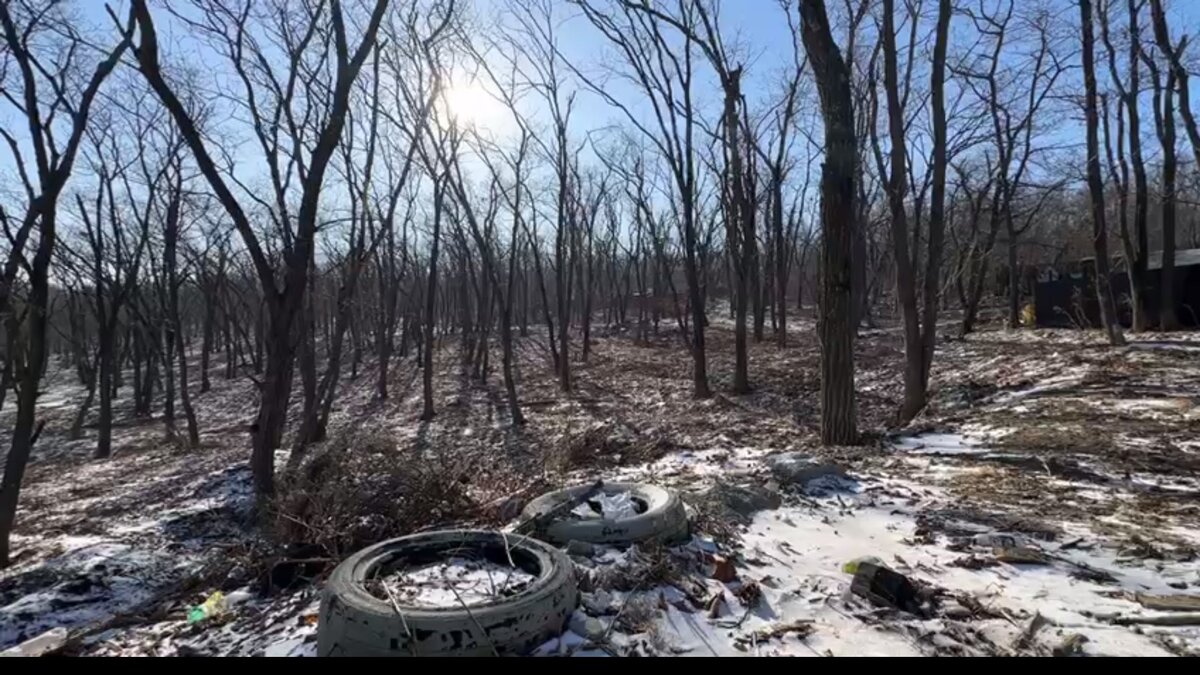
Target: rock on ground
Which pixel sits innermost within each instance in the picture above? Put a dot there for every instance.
(740, 500)
(796, 468)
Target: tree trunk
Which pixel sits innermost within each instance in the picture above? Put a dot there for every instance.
(739, 228)
(1095, 185)
(506, 305)
(836, 314)
(781, 258)
(937, 204)
(267, 430)
(1168, 319)
(76, 432)
(308, 374)
(28, 380)
(914, 389)
(168, 342)
(541, 280)
(427, 412)
(174, 319)
(562, 275)
(1013, 320)
(207, 343)
(700, 388)
(104, 423)
(1141, 187)
(1133, 242)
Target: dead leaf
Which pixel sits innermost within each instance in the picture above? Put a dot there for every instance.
(749, 594)
(723, 569)
(1021, 555)
(801, 628)
(1072, 645)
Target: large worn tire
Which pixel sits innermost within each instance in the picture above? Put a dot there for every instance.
(664, 519)
(353, 622)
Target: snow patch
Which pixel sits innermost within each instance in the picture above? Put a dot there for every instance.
(455, 582)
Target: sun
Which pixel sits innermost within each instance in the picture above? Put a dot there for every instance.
(470, 105)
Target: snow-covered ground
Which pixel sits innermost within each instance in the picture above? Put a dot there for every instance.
(1086, 585)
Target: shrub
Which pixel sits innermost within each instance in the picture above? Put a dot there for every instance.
(361, 488)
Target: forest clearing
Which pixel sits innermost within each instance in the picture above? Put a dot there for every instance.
(599, 328)
(1086, 451)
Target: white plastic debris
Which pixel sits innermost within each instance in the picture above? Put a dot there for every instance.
(612, 505)
(40, 645)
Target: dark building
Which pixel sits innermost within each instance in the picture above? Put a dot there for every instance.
(1066, 298)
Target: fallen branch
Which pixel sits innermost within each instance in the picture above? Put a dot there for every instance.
(1166, 620)
(539, 521)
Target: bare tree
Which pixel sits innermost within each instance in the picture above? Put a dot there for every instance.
(897, 180)
(741, 242)
(777, 163)
(283, 142)
(937, 204)
(1013, 111)
(666, 77)
(1136, 244)
(439, 192)
(52, 96)
(1174, 56)
(116, 234)
(173, 231)
(1177, 78)
(1095, 184)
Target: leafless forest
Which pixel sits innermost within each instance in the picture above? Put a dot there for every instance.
(286, 278)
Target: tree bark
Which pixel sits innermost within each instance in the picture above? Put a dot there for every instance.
(836, 312)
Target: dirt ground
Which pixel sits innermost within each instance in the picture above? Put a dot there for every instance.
(1089, 453)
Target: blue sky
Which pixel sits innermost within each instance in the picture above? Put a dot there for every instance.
(755, 29)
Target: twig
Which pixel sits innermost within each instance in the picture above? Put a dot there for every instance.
(299, 522)
(470, 615)
(507, 549)
(37, 433)
(512, 566)
(621, 610)
(412, 643)
(1025, 639)
(739, 622)
(1046, 466)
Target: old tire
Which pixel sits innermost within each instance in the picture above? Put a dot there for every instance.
(354, 622)
(663, 520)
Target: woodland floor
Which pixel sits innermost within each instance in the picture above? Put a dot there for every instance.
(1090, 453)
